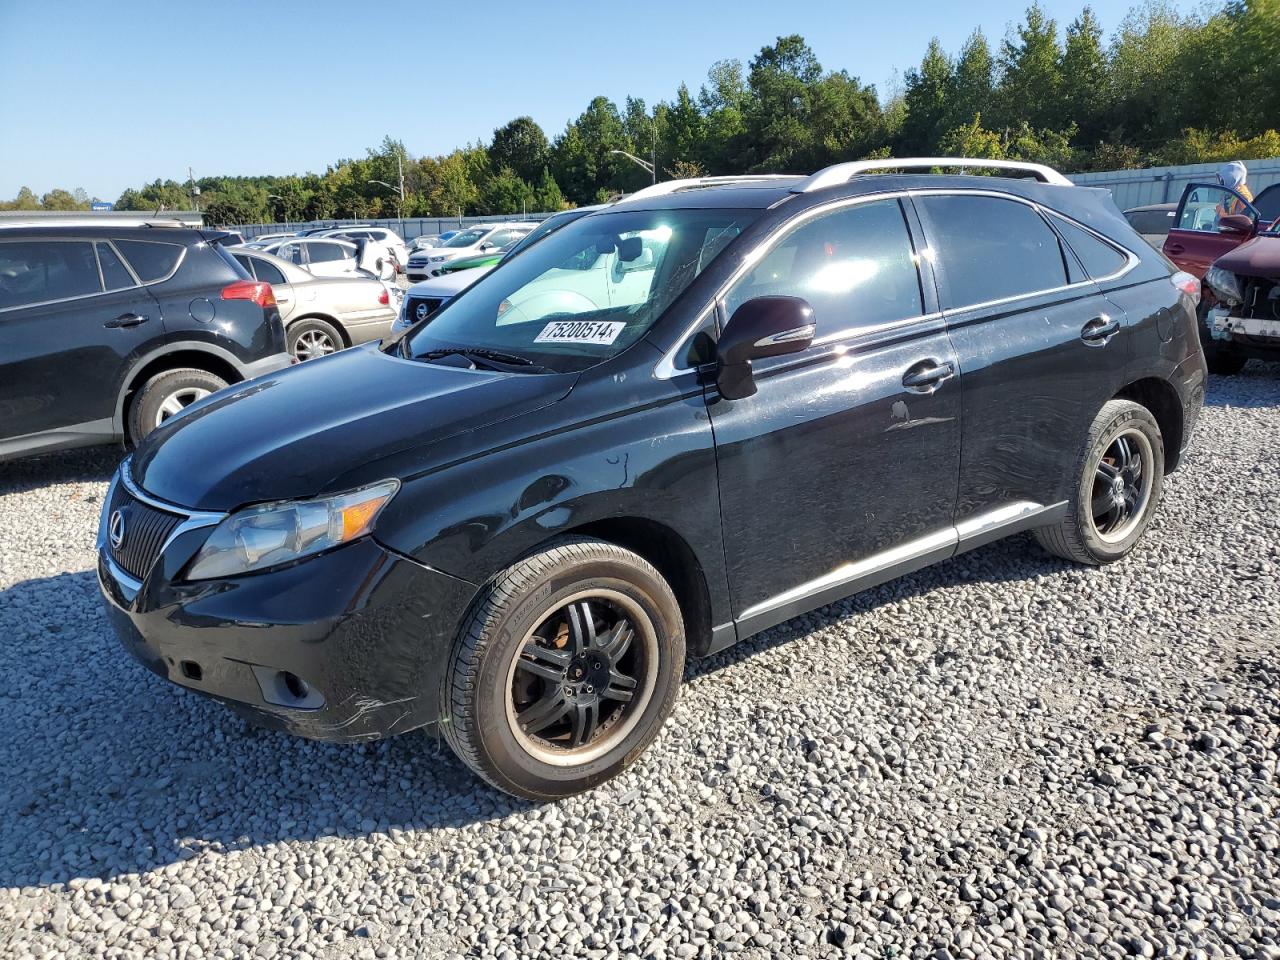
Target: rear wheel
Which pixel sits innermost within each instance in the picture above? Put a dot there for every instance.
(312, 337)
(1120, 476)
(167, 394)
(565, 670)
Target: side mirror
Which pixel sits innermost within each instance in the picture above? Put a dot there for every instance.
(763, 327)
(1238, 223)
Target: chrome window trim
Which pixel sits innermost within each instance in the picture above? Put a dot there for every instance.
(182, 255)
(102, 277)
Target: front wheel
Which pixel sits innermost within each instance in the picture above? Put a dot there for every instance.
(565, 670)
(1119, 478)
(167, 394)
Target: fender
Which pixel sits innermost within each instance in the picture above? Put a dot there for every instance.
(141, 362)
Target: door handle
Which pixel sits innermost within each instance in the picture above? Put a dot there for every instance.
(125, 320)
(1175, 248)
(1099, 330)
(282, 298)
(926, 375)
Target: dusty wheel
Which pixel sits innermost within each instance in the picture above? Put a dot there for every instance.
(1120, 476)
(312, 337)
(565, 670)
(166, 394)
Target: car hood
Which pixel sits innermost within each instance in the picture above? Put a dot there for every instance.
(448, 284)
(295, 433)
(1259, 257)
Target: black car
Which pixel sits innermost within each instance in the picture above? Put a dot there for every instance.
(106, 331)
(667, 426)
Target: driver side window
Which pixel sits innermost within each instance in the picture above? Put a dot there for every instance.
(1206, 205)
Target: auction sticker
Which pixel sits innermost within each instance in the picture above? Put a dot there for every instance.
(580, 331)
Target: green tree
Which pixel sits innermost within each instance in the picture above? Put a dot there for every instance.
(520, 146)
(925, 101)
(776, 118)
(972, 82)
(972, 140)
(505, 192)
(1084, 74)
(61, 200)
(1031, 73)
(547, 195)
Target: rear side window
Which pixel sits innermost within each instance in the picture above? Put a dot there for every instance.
(853, 266)
(267, 272)
(115, 276)
(1100, 258)
(245, 262)
(36, 271)
(325, 252)
(988, 249)
(150, 260)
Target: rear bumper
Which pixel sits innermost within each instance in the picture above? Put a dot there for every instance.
(258, 368)
(368, 633)
(1190, 378)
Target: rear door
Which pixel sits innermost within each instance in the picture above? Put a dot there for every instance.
(1040, 350)
(1194, 241)
(268, 272)
(328, 258)
(72, 317)
(841, 469)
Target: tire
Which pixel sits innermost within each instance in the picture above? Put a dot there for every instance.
(1081, 535)
(521, 722)
(312, 337)
(1218, 359)
(166, 394)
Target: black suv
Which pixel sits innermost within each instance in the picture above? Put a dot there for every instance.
(667, 426)
(106, 331)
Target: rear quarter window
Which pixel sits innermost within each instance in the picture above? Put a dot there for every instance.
(1100, 258)
(151, 260)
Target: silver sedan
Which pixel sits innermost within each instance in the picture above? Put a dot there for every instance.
(323, 314)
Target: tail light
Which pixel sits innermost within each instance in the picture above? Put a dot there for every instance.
(384, 298)
(1188, 285)
(255, 290)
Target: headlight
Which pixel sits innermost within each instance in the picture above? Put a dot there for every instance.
(273, 533)
(1224, 283)
(436, 259)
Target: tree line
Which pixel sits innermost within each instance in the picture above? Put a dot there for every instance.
(1165, 88)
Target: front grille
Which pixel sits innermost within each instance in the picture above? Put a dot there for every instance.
(429, 304)
(145, 531)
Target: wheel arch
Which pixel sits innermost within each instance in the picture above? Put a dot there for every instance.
(1160, 397)
(672, 556)
(331, 320)
(175, 357)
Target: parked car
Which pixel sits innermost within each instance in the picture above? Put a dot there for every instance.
(1152, 221)
(106, 331)
(388, 242)
(424, 298)
(322, 258)
(262, 239)
(517, 531)
(1201, 235)
(323, 314)
(1242, 320)
(489, 236)
(427, 240)
(489, 258)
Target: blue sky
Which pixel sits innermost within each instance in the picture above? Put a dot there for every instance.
(108, 95)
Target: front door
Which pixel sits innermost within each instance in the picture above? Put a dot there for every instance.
(1195, 240)
(71, 318)
(841, 470)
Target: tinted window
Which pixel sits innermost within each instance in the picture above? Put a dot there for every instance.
(267, 271)
(988, 249)
(325, 252)
(150, 261)
(290, 251)
(246, 262)
(33, 271)
(854, 266)
(1100, 259)
(114, 274)
(1268, 203)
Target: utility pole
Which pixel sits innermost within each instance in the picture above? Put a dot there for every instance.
(195, 190)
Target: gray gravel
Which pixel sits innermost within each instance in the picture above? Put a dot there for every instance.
(1002, 756)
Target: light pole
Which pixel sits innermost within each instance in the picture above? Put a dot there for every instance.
(645, 164)
(399, 190)
(276, 196)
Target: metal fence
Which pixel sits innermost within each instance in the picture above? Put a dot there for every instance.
(408, 228)
(1136, 188)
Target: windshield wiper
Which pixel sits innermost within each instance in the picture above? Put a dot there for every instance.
(496, 359)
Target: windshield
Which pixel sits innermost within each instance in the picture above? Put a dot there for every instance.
(464, 239)
(549, 225)
(587, 291)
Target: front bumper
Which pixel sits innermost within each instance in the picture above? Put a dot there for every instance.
(367, 631)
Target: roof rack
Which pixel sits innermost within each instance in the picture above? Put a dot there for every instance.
(843, 172)
(671, 186)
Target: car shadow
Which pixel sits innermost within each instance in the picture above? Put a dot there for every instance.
(111, 771)
(71, 466)
(1256, 385)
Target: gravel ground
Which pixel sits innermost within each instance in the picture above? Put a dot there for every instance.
(1002, 756)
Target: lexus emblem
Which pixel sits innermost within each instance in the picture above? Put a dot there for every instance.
(115, 527)
(421, 312)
